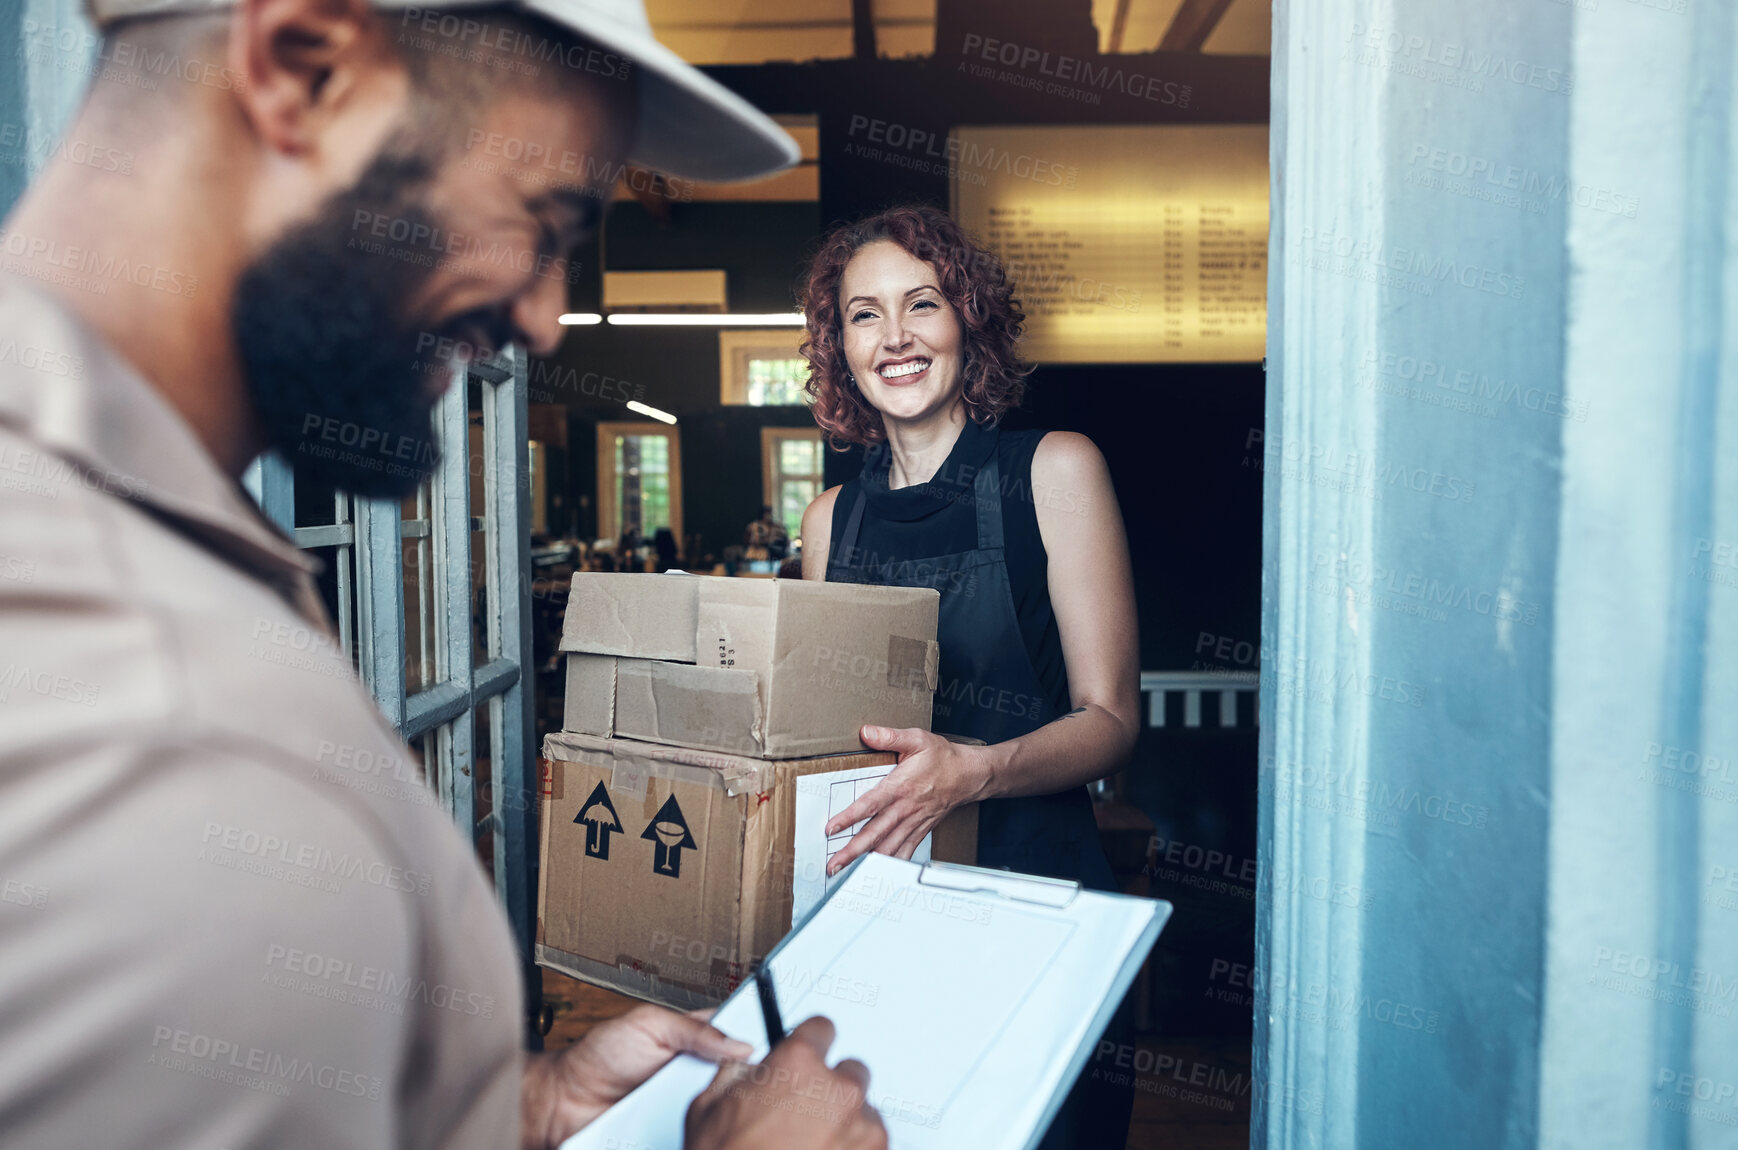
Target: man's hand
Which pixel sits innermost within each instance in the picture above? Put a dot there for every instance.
(791, 1101)
(933, 777)
(566, 1090)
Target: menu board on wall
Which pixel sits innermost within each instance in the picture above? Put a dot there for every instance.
(1126, 244)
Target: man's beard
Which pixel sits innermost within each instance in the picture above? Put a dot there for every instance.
(338, 369)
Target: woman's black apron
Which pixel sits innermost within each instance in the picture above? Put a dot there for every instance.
(988, 689)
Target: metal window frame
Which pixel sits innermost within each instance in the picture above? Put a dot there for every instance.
(369, 536)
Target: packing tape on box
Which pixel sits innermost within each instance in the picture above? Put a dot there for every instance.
(739, 776)
(630, 771)
(913, 664)
(729, 720)
(630, 774)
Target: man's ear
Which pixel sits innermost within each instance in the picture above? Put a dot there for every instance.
(302, 63)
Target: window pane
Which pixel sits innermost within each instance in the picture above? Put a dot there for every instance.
(795, 495)
(416, 560)
(621, 483)
(482, 834)
(643, 483)
(777, 382)
(797, 457)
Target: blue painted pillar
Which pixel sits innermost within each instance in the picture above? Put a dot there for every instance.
(1500, 557)
(46, 52)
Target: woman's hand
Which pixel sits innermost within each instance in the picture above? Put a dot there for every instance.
(565, 1091)
(933, 777)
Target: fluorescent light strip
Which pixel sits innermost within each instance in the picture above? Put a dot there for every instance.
(581, 318)
(663, 416)
(702, 319)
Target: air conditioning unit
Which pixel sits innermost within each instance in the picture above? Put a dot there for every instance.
(683, 291)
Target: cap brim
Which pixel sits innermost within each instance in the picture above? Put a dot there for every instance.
(690, 125)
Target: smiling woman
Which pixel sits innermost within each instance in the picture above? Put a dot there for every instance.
(912, 331)
(988, 318)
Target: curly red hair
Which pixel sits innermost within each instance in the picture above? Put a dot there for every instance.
(976, 287)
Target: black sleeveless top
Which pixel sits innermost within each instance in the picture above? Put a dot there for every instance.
(906, 526)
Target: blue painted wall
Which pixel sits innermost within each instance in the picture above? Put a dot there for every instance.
(1500, 437)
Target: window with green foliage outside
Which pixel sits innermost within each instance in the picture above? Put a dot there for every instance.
(777, 382)
(643, 482)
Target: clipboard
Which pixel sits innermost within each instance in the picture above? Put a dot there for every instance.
(974, 996)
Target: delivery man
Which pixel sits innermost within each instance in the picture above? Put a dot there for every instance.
(225, 920)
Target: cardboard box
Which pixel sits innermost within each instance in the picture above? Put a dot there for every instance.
(667, 871)
(784, 668)
(624, 613)
(704, 708)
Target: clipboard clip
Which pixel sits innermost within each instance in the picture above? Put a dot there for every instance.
(1028, 888)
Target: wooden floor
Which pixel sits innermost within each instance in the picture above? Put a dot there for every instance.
(1189, 1094)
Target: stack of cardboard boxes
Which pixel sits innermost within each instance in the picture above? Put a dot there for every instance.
(693, 705)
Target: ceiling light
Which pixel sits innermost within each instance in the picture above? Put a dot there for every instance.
(581, 318)
(706, 319)
(662, 416)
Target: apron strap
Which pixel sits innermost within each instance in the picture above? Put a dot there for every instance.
(987, 497)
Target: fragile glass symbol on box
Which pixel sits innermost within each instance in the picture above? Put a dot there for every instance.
(668, 831)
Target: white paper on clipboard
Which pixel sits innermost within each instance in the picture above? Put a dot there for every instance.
(974, 997)
(819, 798)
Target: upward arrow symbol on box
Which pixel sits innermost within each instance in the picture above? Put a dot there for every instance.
(599, 816)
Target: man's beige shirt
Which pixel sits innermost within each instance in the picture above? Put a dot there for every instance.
(230, 913)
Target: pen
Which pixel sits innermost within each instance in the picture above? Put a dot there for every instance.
(775, 1027)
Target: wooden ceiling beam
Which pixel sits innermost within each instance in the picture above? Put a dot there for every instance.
(1118, 26)
(1192, 24)
(652, 193)
(863, 29)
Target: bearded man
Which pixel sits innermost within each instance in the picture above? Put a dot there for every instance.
(207, 939)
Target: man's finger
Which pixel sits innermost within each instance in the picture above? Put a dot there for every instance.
(714, 1045)
(867, 1132)
(856, 1072)
(729, 1074)
(708, 1042)
(685, 1033)
(816, 1032)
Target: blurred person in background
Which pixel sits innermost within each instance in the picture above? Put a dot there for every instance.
(664, 543)
(767, 537)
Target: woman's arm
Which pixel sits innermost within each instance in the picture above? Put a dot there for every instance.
(1092, 593)
(818, 534)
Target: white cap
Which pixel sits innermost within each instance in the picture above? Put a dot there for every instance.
(690, 125)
